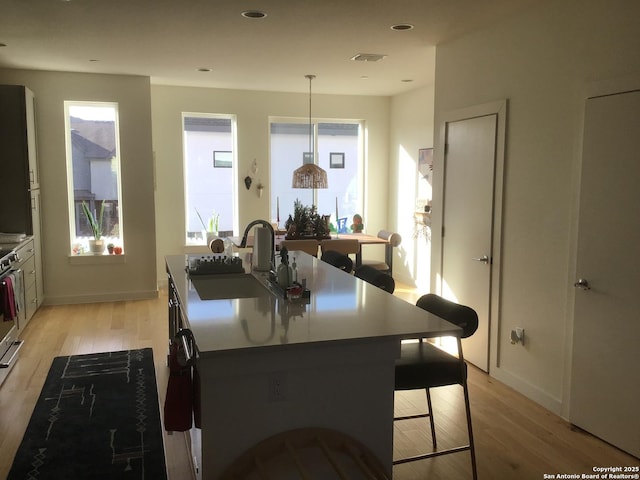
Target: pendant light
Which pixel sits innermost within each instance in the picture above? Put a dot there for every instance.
(310, 175)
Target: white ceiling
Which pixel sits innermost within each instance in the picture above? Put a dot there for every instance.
(168, 40)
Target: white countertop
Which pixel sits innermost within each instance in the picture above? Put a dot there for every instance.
(342, 308)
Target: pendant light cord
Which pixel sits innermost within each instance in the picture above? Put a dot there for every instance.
(311, 147)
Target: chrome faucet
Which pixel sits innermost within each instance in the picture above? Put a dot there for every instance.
(243, 243)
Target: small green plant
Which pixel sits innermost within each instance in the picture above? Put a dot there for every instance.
(212, 224)
(214, 220)
(94, 224)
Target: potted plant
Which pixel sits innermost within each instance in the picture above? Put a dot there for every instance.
(96, 245)
(211, 227)
(214, 221)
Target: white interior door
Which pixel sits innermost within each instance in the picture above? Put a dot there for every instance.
(468, 212)
(605, 378)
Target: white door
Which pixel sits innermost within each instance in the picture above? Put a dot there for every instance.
(468, 213)
(605, 378)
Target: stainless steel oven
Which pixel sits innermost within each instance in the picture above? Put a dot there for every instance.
(12, 306)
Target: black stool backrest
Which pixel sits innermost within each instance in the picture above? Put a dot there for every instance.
(338, 260)
(460, 315)
(376, 277)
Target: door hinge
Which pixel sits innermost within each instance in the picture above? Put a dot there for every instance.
(443, 231)
(446, 148)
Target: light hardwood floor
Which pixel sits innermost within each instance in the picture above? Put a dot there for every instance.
(515, 438)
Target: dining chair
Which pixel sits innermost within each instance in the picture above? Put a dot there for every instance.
(422, 365)
(376, 277)
(342, 245)
(309, 246)
(393, 240)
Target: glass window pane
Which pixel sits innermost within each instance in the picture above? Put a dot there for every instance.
(340, 142)
(338, 147)
(289, 143)
(93, 166)
(209, 166)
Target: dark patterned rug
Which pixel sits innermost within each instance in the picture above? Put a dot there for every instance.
(97, 418)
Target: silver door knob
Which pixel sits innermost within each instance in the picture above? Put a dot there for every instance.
(483, 259)
(582, 284)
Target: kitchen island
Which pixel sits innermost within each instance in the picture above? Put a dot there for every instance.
(269, 365)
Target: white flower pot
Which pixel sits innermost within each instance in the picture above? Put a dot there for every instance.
(96, 247)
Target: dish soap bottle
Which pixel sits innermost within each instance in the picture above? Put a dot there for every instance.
(284, 273)
(294, 268)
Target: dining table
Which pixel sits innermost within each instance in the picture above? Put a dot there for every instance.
(363, 239)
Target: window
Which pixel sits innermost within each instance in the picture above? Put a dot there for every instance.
(93, 175)
(209, 172)
(339, 147)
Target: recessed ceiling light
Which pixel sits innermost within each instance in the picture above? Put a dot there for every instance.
(400, 27)
(253, 14)
(203, 69)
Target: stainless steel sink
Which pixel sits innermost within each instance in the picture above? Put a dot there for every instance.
(217, 287)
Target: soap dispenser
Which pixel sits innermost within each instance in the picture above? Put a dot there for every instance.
(284, 273)
(294, 273)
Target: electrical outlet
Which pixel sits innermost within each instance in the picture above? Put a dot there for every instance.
(517, 336)
(277, 387)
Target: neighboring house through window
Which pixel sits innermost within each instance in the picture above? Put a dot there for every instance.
(93, 173)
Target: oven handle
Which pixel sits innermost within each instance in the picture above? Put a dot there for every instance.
(19, 344)
(10, 270)
(187, 345)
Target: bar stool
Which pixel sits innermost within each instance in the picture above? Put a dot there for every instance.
(376, 277)
(336, 252)
(423, 365)
(338, 260)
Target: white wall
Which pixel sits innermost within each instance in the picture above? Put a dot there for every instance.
(542, 61)
(253, 110)
(411, 129)
(73, 279)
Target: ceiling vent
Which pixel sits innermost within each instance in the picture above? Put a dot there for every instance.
(368, 57)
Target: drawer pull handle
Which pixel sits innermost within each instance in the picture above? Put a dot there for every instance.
(17, 345)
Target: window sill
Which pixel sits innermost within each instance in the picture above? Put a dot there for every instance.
(96, 259)
(196, 249)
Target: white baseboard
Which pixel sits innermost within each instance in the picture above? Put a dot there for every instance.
(100, 297)
(530, 391)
